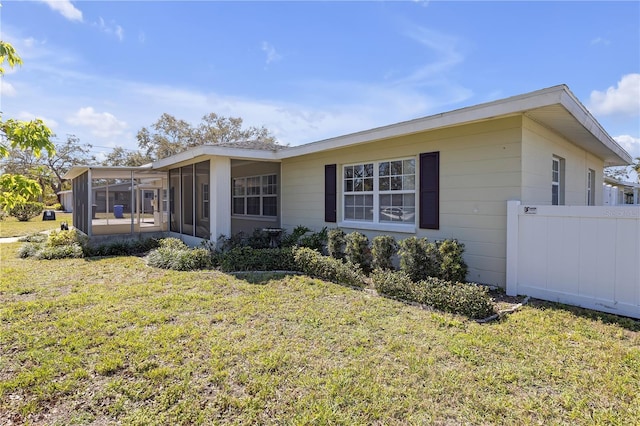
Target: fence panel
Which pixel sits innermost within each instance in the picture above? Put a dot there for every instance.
(586, 256)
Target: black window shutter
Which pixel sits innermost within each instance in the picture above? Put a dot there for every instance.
(330, 193)
(430, 190)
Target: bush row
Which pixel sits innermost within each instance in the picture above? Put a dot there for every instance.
(419, 258)
(471, 300)
(73, 244)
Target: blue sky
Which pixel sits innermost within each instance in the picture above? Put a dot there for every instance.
(101, 70)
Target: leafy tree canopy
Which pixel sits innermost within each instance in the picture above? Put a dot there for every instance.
(169, 135)
(17, 189)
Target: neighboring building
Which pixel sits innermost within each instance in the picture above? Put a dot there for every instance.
(620, 193)
(449, 175)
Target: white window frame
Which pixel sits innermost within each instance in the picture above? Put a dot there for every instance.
(557, 181)
(261, 195)
(376, 223)
(591, 180)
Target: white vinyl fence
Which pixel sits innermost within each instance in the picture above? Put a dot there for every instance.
(586, 256)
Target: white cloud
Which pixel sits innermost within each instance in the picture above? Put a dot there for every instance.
(630, 144)
(111, 28)
(272, 54)
(66, 9)
(445, 48)
(28, 116)
(623, 99)
(6, 89)
(100, 124)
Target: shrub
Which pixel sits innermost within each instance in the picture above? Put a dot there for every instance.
(315, 241)
(259, 239)
(179, 259)
(25, 211)
(395, 284)
(55, 206)
(418, 258)
(29, 249)
(336, 243)
(73, 250)
(250, 259)
(173, 243)
(34, 238)
(224, 243)
(65, 238)
(357, 251)
(383, 248)
(123, 247)
(3, 215)
(470, 300)
(291, 240)
(312, 263)
(452, 265)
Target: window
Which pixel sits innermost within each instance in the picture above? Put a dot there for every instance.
(380, 192)
(557, 181)
(255, 196)
(591, 184)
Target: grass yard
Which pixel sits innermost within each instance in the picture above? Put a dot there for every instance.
(10, 227)
(112, 341)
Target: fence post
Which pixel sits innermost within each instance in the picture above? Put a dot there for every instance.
(512, 247)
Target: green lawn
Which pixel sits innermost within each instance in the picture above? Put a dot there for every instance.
(112, 341)
(10, 227)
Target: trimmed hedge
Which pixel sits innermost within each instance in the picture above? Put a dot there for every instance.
(470, 300)
(124, 247)
(250, 259)
(179, 259)
(314, 264)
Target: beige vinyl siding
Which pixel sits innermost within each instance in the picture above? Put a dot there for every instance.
(479, 171)
(539, 145)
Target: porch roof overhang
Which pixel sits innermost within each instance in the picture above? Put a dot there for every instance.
(555, 108)
(217, 151)
(108, 172)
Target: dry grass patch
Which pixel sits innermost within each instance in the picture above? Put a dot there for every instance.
(113, 341)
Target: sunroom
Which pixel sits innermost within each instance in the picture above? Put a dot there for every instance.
(119, 200)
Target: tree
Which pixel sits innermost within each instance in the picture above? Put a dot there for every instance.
(170, 136)
(16, 190)
(121, 157)
(25, 135)
(228, 131)
(48, 169)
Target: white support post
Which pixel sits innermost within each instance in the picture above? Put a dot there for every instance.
(220, 197)
(513, 208)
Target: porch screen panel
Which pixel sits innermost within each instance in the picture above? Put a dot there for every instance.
(174, 200)
(81, 202)
(187, 200)
(202, 206)
(430, 190)
(330, 193)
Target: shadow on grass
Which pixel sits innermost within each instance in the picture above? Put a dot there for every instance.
(630, 324)
(262, 277)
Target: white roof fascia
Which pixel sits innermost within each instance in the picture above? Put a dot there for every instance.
(588, 121)
(221, 151)
(76, 171)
